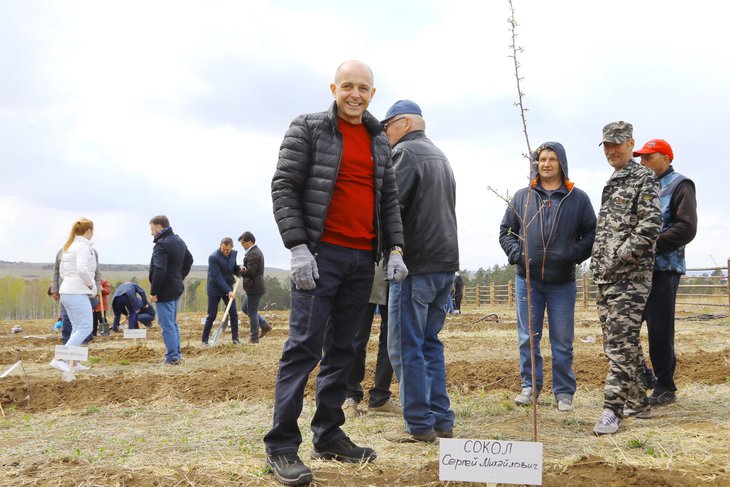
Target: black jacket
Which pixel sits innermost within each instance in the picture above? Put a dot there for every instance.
(309, 160)
(555, 251)
(427, 197)
(253, 276)
(220, 273)
(170, 264)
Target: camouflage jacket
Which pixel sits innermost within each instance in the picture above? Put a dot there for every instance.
(628, 226)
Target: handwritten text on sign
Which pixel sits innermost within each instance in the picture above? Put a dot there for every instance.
(135, 333)
(504, 462)
(72, 353)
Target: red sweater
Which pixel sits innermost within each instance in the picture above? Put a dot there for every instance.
(351, 214)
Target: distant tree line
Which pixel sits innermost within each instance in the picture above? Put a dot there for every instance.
(28, 299)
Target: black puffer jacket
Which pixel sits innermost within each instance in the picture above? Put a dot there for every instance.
(427, 196)
(309, 160)
(554, 251)
(170, 264)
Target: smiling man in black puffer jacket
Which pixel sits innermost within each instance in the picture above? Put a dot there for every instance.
(336, 204)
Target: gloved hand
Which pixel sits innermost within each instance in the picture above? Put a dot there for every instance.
(303, 268)
(397, 270)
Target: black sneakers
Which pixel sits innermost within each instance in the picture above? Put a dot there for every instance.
(344, 450)
(289, 469)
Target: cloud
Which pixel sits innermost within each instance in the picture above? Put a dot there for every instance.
(121, 111)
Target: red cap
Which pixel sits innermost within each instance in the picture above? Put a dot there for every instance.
(656, 145)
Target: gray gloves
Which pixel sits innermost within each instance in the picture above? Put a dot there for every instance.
(397, 270)
(304, 268)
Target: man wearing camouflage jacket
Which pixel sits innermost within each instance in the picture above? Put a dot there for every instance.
(629, 223)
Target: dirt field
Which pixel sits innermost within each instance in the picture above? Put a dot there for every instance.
(132, 421)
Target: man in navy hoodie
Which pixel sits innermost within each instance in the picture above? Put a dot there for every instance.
(221, 267)
(170, 264)
(560, 225)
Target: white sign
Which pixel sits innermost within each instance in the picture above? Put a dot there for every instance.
(135, 333)
(490, 461)
(72, 353)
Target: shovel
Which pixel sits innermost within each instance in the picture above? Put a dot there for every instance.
(224, 321)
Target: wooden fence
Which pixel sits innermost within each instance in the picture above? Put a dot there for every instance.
(703, 290)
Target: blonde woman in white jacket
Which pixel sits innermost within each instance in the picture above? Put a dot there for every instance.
(78, 265)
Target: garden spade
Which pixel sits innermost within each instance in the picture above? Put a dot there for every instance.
(224, 321)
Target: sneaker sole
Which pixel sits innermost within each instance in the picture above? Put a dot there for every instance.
(655, 403)
(303, 479)
(328, 455)
(598, 432)
(380, 411)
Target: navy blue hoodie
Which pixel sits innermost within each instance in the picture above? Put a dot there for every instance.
(561, 227)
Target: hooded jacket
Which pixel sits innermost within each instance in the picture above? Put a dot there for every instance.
(555, 244)
(302, 186)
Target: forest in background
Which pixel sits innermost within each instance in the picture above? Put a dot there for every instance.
(24, 287)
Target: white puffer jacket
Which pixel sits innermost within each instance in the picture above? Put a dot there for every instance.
(78, 265)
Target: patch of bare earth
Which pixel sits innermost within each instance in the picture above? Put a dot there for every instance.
(132, 421)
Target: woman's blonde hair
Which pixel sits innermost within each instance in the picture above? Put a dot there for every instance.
(80, 227)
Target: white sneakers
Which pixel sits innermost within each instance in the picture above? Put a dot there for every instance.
(60, 365)
(63, 366)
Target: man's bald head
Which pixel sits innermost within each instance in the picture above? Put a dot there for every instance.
(353, 64)
(353, 89)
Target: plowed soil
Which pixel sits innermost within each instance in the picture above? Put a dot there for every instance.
(127, 379)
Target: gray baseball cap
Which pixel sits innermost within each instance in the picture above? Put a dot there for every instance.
(617, 132)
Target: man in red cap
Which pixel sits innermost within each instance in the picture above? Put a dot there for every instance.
(679, 226)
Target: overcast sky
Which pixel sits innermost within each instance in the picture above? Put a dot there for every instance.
(118, 111)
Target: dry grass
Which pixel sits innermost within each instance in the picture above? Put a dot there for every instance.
(169, 441)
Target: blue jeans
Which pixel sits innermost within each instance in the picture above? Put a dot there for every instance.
(416, 314)
(78, 308)
(251, 308)
(559, 300)
(322, 326)
(167, 318)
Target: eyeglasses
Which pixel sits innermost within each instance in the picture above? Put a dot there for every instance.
(386, 124)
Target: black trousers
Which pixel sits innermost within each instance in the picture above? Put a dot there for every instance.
(380, 392)
(659, 316)
(213, 312)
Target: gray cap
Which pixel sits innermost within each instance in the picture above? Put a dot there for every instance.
(617, 132)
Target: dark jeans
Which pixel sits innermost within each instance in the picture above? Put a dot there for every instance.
(458, 295)
(322, 327)
(66, 326)
(659, 316)
(380, 393)
(255, 320)
(213, 312)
